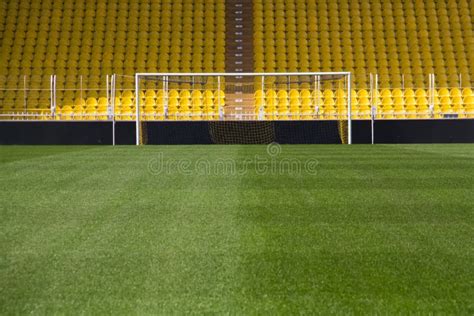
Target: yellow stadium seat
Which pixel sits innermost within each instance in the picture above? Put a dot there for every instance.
(443, 92)
(399, 111)
(420, 93)
(66, 112)
(305, 94)
(385, 93)
(90, 113)
(409, 93)
(150, 94)
(411, 111)
(208, 94)
(392, 39)
(282, 94)
(294, 94)
(172, 111)
(363, 93)
(446, 109)
(91, 102)
(128, 94)
(173, 94)
(469, 110)
(467, 92)
(421, 101)
(185, 94)
(184, 108)
(455, 92)
(397, 93)
(387, 101)
(445, 100)
(103, 101)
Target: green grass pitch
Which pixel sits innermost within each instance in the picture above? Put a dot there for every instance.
(371, 229)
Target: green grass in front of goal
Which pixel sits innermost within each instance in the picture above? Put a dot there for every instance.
(228, 229)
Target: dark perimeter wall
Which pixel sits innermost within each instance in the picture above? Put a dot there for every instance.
(199, 132)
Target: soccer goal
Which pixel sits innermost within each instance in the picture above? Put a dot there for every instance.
(239, 106)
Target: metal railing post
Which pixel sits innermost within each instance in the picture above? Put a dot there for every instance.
(349, 114)
(51, 93)
(317, 90)
(111, 107)
(221, 112)
(261, 110)
(165, 97)
(372, 112)
(137, 111)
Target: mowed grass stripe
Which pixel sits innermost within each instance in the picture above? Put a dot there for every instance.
(148, 233)
(198, 241)
(76, 251)
(378, 229)
(387, 247)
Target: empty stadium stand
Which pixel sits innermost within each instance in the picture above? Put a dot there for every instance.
(402, 41)
(81, 42)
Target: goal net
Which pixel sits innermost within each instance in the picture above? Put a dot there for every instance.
(248, 108)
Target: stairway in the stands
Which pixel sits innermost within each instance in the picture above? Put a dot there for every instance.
(239, 57)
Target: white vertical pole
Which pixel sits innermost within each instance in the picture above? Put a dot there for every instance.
(431, 96)
(107, 91)
(433, 87)
(316, 94)
(349, 110)
(111, 105)
(261, 111)
(112, 91)
(221, 114)
(376, 91)
(371, 108)
(165, 97)
(430, 93)
(51, 93)
(370, 89)
(137, 111)
(374, 105)
(24, 93)
(54, 93)
(372, 132)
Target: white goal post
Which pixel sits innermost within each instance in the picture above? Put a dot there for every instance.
(247, 96)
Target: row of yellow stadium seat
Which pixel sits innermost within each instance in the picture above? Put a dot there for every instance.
(269, 112)
(304, 107)
(71, 38)
(328, 96)
(322, 101)
(279, 27)
(270, 103)
(267, 101)
(442, 92)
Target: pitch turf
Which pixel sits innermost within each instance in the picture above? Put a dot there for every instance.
(379, 229)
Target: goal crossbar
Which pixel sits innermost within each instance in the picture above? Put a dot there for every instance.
(320, 75)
